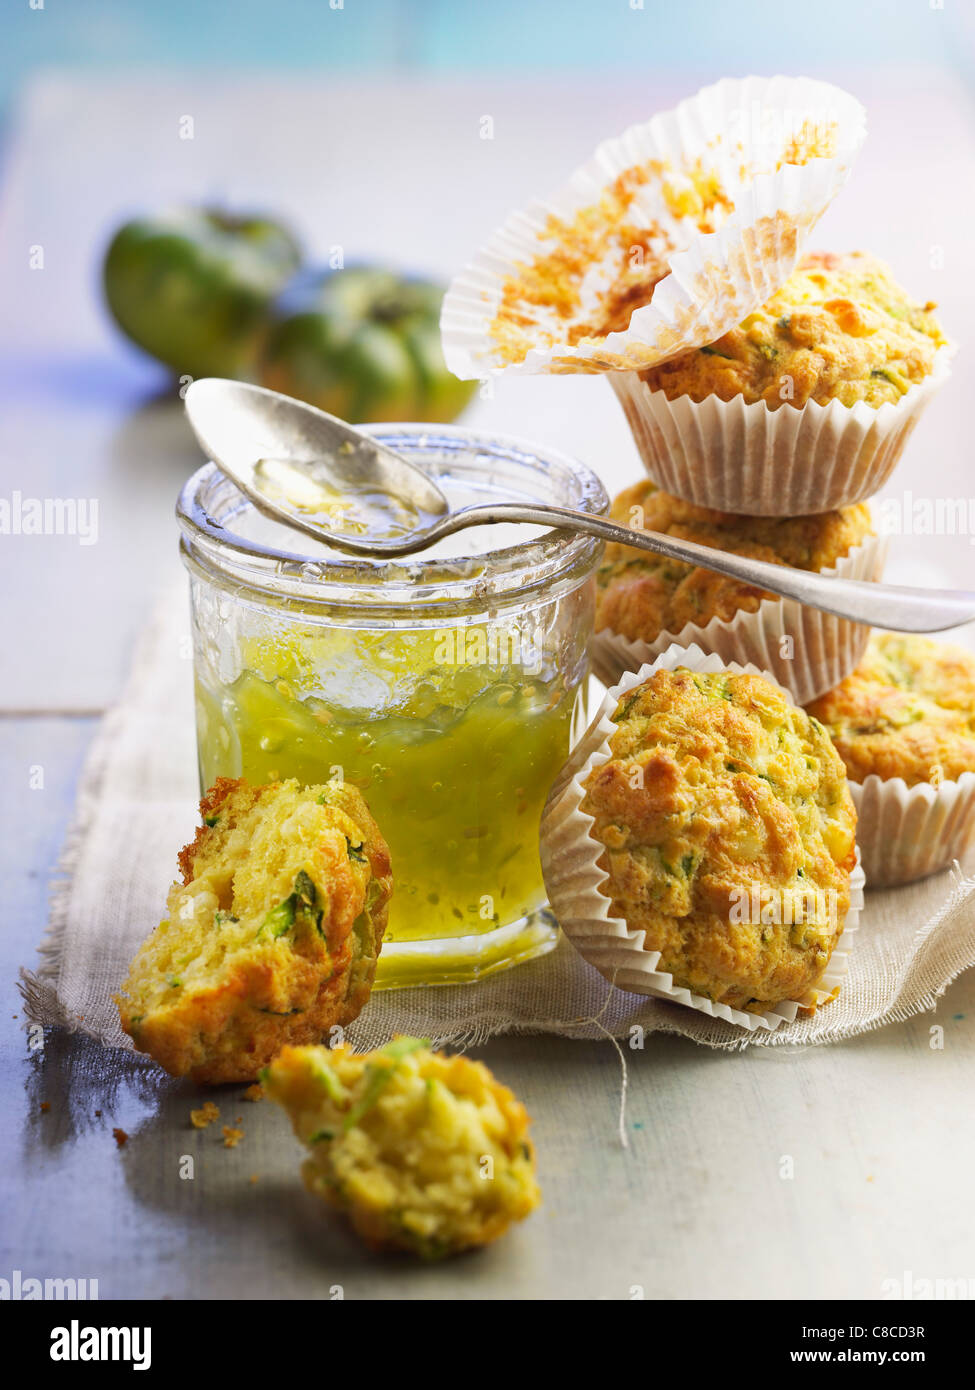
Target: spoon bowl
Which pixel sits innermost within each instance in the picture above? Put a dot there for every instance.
(297, 463)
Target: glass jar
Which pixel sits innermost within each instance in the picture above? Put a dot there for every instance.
(448, 687)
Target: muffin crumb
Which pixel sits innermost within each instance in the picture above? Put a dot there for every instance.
(199, 1119)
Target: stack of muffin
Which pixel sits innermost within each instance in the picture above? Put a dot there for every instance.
(841, 337)
(702, 841)
(726, 818)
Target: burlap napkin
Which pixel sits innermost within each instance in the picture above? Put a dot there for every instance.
(137, 806)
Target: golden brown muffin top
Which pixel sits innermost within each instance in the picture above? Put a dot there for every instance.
(717, 789)
(840, 328)
(641, 595)
(908, 710)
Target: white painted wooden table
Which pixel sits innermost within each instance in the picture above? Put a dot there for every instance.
(772, 1173)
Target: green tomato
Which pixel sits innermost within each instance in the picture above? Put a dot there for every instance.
(363, 344)
(443, 395)
(360, 373)
(192, 287)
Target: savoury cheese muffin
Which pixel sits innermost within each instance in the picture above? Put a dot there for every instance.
(423, 1152)
(728, 834)
(271, 937)
(641, 595)
(908, 710)
(840, 328)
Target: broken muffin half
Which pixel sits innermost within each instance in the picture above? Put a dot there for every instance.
(272, 936)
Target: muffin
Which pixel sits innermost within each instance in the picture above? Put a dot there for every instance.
(271, 937)
(422, 1152)
(646, 601)
(723, 871)
(805, 406)
(904, 724)
(839, 329)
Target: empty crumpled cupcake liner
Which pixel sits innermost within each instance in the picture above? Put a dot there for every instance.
(497, 315)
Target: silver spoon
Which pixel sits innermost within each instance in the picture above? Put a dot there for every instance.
(263, 440)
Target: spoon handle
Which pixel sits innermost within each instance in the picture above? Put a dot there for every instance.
(891, 606)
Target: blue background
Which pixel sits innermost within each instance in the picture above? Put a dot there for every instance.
(467, 35)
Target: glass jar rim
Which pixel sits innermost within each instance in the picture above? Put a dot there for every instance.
(209, 545)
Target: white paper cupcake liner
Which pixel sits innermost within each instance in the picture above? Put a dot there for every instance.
(806, 651)
(574, 879)
(906, 833)
(745, 458)
(737, 129)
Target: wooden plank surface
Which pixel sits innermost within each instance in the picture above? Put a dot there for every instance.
(877, 1129)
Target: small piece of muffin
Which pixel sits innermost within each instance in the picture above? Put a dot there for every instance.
(423, 1152)
(908, 710)
(641, 595)
(840, 328)
(272, 936)
(728, 832)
